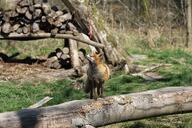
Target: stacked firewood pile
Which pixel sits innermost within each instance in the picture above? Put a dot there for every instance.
(60, 58)
(30, 20)
(33, 18)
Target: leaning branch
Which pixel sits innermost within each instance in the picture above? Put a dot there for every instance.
(104, 111)
(151, 76)
(16, 36)
(41, 102)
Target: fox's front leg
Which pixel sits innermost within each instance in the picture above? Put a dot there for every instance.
(96, 89)
(102, 88)
(93, 91)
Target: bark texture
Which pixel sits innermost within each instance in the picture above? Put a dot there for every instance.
(83, 19)
(74, 53)
(16, 36)
(104, 111)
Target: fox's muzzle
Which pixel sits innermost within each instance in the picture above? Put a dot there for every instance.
(90, 59)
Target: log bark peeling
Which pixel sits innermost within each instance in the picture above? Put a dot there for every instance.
(104, 111)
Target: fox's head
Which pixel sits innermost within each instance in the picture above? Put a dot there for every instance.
(92, 62)
(97, 57)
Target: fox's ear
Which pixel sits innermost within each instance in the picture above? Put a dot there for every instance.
(96, 52)
(100, 55)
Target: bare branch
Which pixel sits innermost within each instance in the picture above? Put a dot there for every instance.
(48, 35)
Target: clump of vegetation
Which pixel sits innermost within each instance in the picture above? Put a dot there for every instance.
(17, 96)
(179, 74)
(14, 97)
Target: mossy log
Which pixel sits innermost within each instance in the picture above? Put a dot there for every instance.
(114, 109)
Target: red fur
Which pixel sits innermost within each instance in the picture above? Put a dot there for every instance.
(97, 74)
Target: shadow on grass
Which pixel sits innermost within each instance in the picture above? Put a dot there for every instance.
(13, 59)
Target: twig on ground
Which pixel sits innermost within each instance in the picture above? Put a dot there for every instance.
(41, 102)
(147, 73)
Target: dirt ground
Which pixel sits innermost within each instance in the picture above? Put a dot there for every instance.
(19, 72)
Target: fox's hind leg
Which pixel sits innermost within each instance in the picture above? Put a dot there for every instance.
(98, 91)
(95, 90)
(91, 93)
(95, 93)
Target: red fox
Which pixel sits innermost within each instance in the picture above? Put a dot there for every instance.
(97, 74)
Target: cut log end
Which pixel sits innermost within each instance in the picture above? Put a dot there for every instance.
(6, 28)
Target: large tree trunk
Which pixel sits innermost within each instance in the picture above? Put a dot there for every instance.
(105, 111)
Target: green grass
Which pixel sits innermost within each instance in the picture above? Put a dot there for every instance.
(179, 74)
(14, 96)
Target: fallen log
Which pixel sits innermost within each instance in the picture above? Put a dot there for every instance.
(114, 109)
(16, 36)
